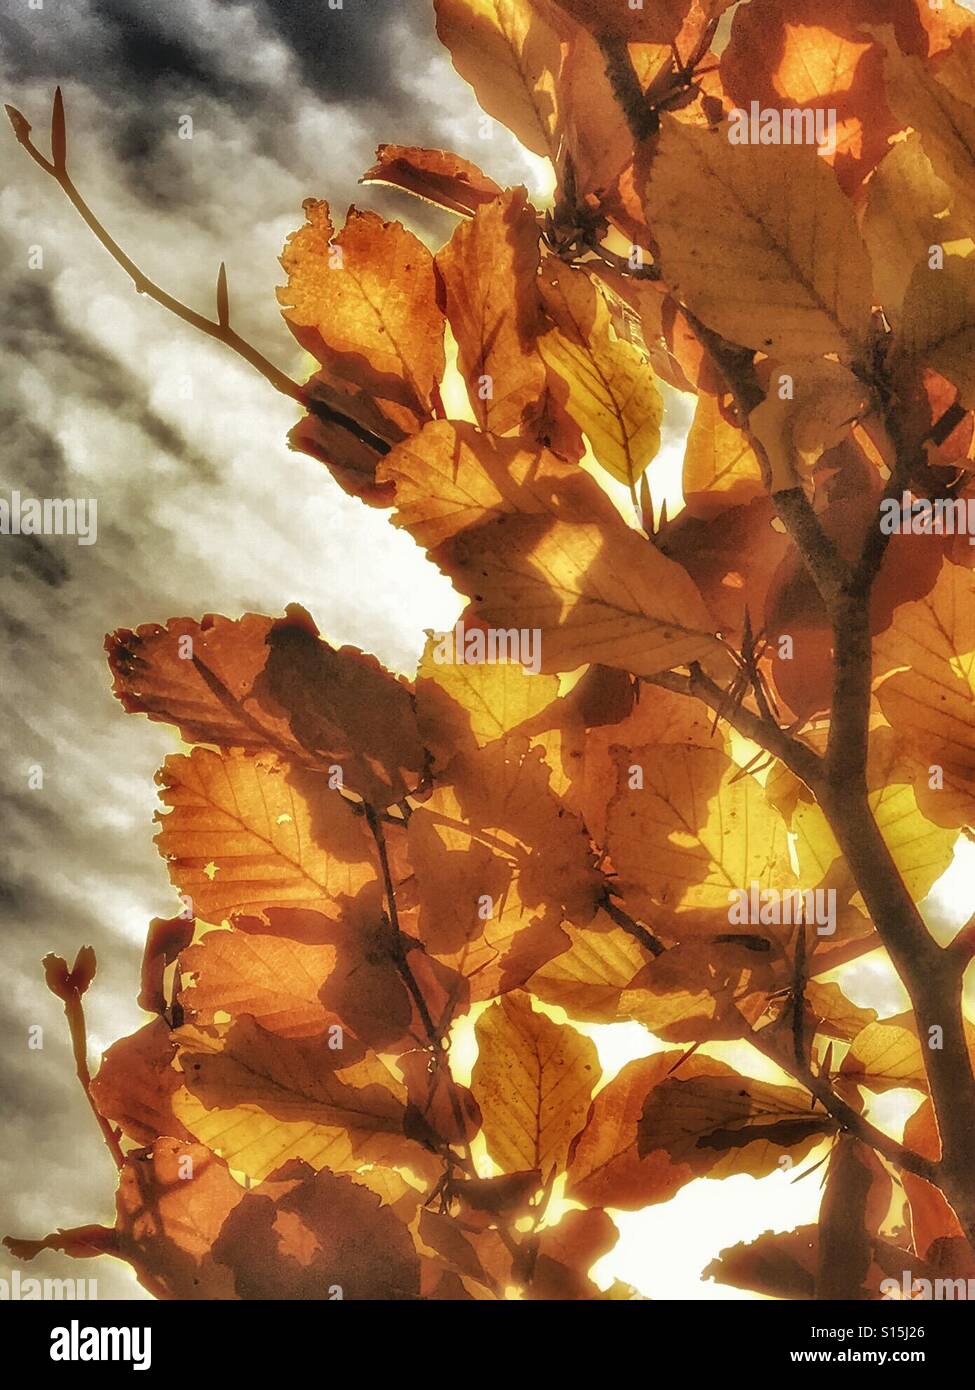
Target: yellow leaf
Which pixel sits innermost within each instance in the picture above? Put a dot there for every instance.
(538, 545)
(920, 850)
(251, 833)
(612, 395)
(461, 706)
(597, 592)
(721, 468)
(884, 1056)
(760, 243)
(532, 1079)
(511, 57)
(694, 833)
(939, 323)
(260, 1100)
(588, 979)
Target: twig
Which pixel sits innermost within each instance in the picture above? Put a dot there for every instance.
(642, 120)
(401, 961)
(69, 986)
(797, 757)
(848, 1118)
(646, 938)
(218, 328)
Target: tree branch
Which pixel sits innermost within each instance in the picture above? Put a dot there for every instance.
(219, 328)
(69, 986)
(641, 119)
(797, 757)
(646, 938)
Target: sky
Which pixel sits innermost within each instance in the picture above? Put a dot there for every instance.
(201, 504)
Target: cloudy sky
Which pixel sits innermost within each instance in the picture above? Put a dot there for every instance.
(201, 505)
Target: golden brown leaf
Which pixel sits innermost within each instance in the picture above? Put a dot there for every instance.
(721, 469)
(511, 57)
(489, 269)
(363, 301)
(136, 1082)
(260, 1100)
(532, 1079)
(612, 395)
(434, 175)
(786, 270)
(252, 832)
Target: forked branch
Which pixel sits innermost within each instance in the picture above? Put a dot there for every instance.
(218, 328)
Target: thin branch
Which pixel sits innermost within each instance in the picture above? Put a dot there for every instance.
(646, 938)
(848, 1118)
(401, 961)
(797, 757)
(399, 955)
(69, 986)
(219, 328)
(642, 120)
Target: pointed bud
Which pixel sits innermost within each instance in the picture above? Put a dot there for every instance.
(223, 298)
(59, 139)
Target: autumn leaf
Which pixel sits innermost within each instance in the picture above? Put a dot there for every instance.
(589, 978)
(363, 302)
(317, 1235)
(596, 146)
(786, 270)
(166, 937)
(462, 707)
(927, 695)
(721, 468)
(136, 1082)
(719, 1123)
(499, 867)
(488, 270)
(921, 850)
(511, 57)
(434, 175)
(566, 1253)
(361, 984)
(595, 589)
(694, 835)
(901, 223)
(611, 391)
(939, 323)
(945, 123)
(248, 832)
(260, 683)
(885, 1056)
(276, 980)
(604, 1164)
(260, 1100)
(532, 1079)
(810, 408)
(789, 54)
